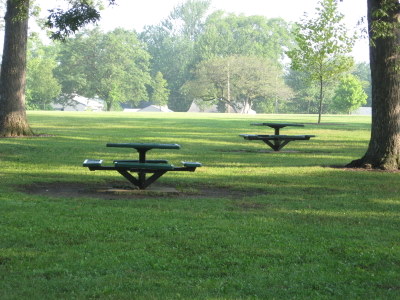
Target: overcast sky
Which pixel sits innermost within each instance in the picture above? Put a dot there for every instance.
(132, 14)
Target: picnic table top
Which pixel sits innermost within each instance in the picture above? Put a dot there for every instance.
(144, 146)
(278, 125)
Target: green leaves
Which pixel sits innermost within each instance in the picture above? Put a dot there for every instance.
(243, 35)
(67, 22)
(349, 95)
(160, 92)
(322, 46)
(113, 66)
(235, 81)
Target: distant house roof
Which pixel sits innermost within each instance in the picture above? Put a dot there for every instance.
(213, 109)
(196, 108)
(131, 109)
(80, 103)
(155, 108)
(92, 103)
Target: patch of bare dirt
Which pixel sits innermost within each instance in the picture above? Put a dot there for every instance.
(366, 169)
(121, 190)
(27, 136)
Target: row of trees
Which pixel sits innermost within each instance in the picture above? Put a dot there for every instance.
(185, 58)
(235, 82)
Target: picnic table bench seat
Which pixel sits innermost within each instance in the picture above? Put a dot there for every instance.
(92, 163)
(191, 164)
(275, 137)
(135, 165)
(143, 166)
(276, 142)
(156, 161)
(156, 167)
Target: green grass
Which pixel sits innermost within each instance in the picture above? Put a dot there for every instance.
(296, 229)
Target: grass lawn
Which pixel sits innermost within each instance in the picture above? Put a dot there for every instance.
(281, 226)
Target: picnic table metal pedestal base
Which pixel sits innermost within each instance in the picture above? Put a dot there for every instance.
(141, 182)
(276, 145)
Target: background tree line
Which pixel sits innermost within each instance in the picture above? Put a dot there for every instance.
(233, 61)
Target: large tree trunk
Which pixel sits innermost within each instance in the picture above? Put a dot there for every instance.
(384, 147)
(13, 121)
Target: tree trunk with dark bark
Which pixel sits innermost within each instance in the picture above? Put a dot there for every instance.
(13, 120)
(384, 147)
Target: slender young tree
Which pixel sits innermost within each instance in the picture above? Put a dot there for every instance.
(322, 47)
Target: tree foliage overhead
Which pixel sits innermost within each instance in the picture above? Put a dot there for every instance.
(66, 22)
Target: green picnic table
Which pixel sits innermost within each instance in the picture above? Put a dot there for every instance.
(276, 141)
(141, 166)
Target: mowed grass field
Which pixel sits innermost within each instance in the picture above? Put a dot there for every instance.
(249, 224)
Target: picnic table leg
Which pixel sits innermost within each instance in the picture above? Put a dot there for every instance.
(276, 145)
(142, 175)
(141, 184)
(130, 178)
(142, 179)
(283, 144)
(142, 156)
(153, 178)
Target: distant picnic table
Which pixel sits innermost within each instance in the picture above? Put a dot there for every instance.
(276, 141)
(141, 166)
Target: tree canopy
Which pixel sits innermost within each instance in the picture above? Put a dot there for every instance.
(234, 82)
(41, 87)
(349, 95)
(244, 36)
(160, 92)
(120, 72)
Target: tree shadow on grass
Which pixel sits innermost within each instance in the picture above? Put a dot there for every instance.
(118, 190)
